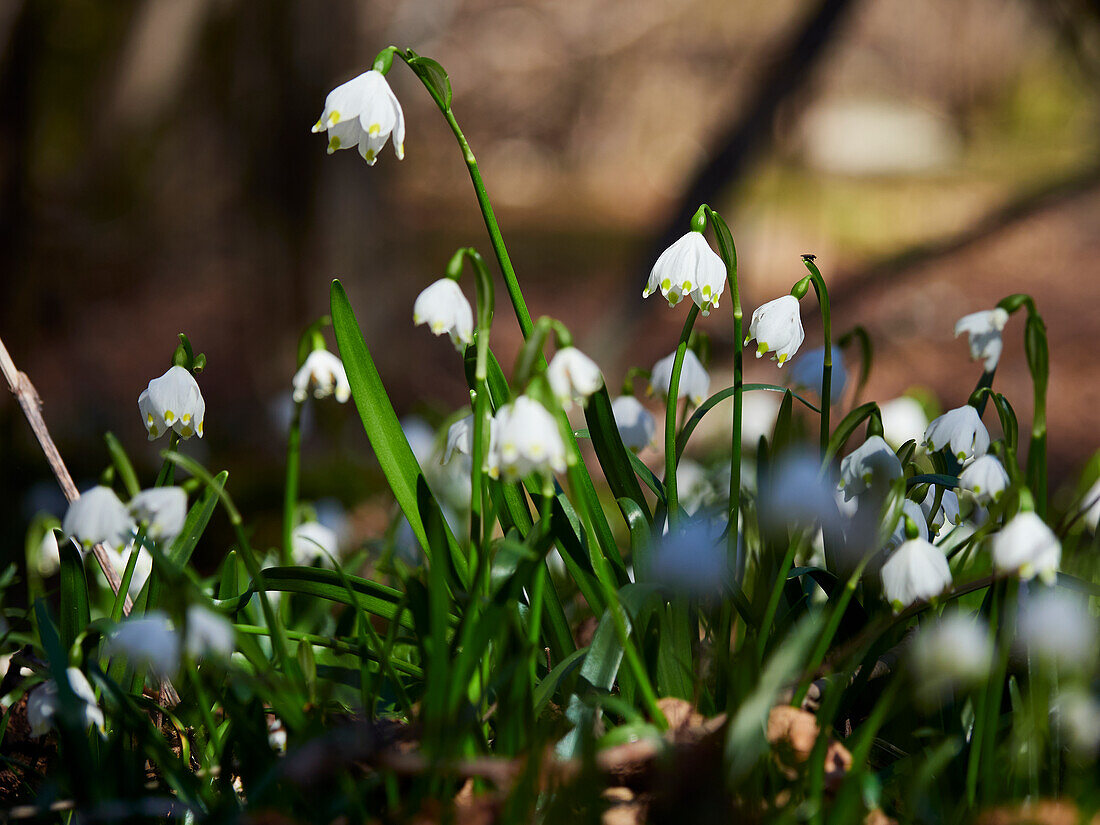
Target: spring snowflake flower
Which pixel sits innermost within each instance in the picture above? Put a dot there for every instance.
(1056, 626)
(525, 440)
(946, 516)
(311, 541)
(43, 703)
(459, 437)
(98, 517)
(688, 267)
(444, 308)
(916, 571)
(913, 510)
(694, 380)
(984, 329)
(871, 465)
(148, 641)
(777, 326)
(164, 508)
(143, 566)
(1027, 546)
(986, 478)
(573, 376)
(173, 401)
(808, 370)
(208, 633)
(903, 420)
(363, 112)
(961, 430)
(953, 652)
(636, 424)
(325, 373)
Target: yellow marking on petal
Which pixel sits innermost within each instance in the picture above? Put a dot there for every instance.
(169, 417)
(334, 117)
(370, 155)
(186, 418)
(319, 125)
(153, 431)
(782, 358)
(962, 456)
(333, 143)
(438, 327)
(199, 430)
(761, 348)
(186, 432)
(149, 418)
(687, 286)
(374, 129)
(666, 285)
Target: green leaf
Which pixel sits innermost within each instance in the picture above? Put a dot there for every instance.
(546, 688)
(931, 478)
(122, 464)
(198, 517)
(433, 75)
(640, 551)
(612, 454)
(75, 611)
(783, 434)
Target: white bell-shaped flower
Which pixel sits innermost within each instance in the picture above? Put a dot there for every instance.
(946, 516)
(525, 439)
(777, 327)
(312, 542)
(208, 634)
(954, 652)
(985, 477)
(173, 401)
(363, 112)
(143, 566)
(164, 508)
(903, 419)
(759, 411)
(325, 373)
(147, 641)
(961, 431)
(1055, 626)
(636, 424)
(984, 329)
(43, 703)
(98, 517)
(916, 571)
(444, 308)
(916, 515)
(460, 436)
(573, 376)
(1028, 547)
(694, 380)
(1077, 716)
(688, 267)
(872, 465)
(807, 371)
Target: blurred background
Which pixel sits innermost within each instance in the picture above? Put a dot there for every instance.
(158, 175)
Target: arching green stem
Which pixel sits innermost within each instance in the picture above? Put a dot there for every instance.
(670, 418)
(827, 333)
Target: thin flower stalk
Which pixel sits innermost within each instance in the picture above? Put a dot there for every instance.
(290, 488)
(670, 419)
(827, 335)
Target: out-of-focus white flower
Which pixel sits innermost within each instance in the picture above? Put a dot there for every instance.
(688, 267)
(208, 633)
(459, 436)
(916, 571)
(961, 430)
(526, 439)
(1077, 715)
(149, 641)
(444, 308)
(913, 511)
(777, 326)
(325, 373)
(1090, 504)
(573, 376)
(872, 465)
(311, 541)
(276, 734)
(694, 380)
(636, 424)
(43, 703)
(903, 420)
(946, 515)
(363, 112)
(759, 410)
(1027, 546)
(164, 508)
(692, 560)
(98, 517)
(986, 478)
(808, 370)
(143, 566)
(1056, 626)
(693, 486)
(173, 401)
(984, 329)
(421, 438)
(795, 495)
(953, 652)
(48, 560)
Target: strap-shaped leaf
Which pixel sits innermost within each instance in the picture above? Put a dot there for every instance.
(612, 454)
(434, 77)
(718, 398)
(75, 612)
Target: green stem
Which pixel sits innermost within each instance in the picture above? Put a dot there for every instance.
(127, 577)
(773, 599)
(827, 333)
(670, 419)
(290, 493)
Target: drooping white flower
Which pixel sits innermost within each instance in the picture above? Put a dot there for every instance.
(164, 508)
(311, 541)
(916, 514)
(525, 439)
(459, 437)
(693, 486)
(150, 641)
(1027, 546)
(946, 515)
(759, 411)
(1055, 626)
(694, 380)
(777, 326)
(1090, 504)
(98, 517)
(807, 372)
(208, 634)
(984, 329)
(143, 566)
(444, 308)
(961, 430)
(325, 373)
(363, 112)
(573, 376)
(173, 401)
(871, 465)
(688, 267)
(916, 571)
(953, 652)
(903, 420)
(692, 560)
(43, 703)
(986, 478)
(48, 560)
(1077, 715)
(636, 424)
